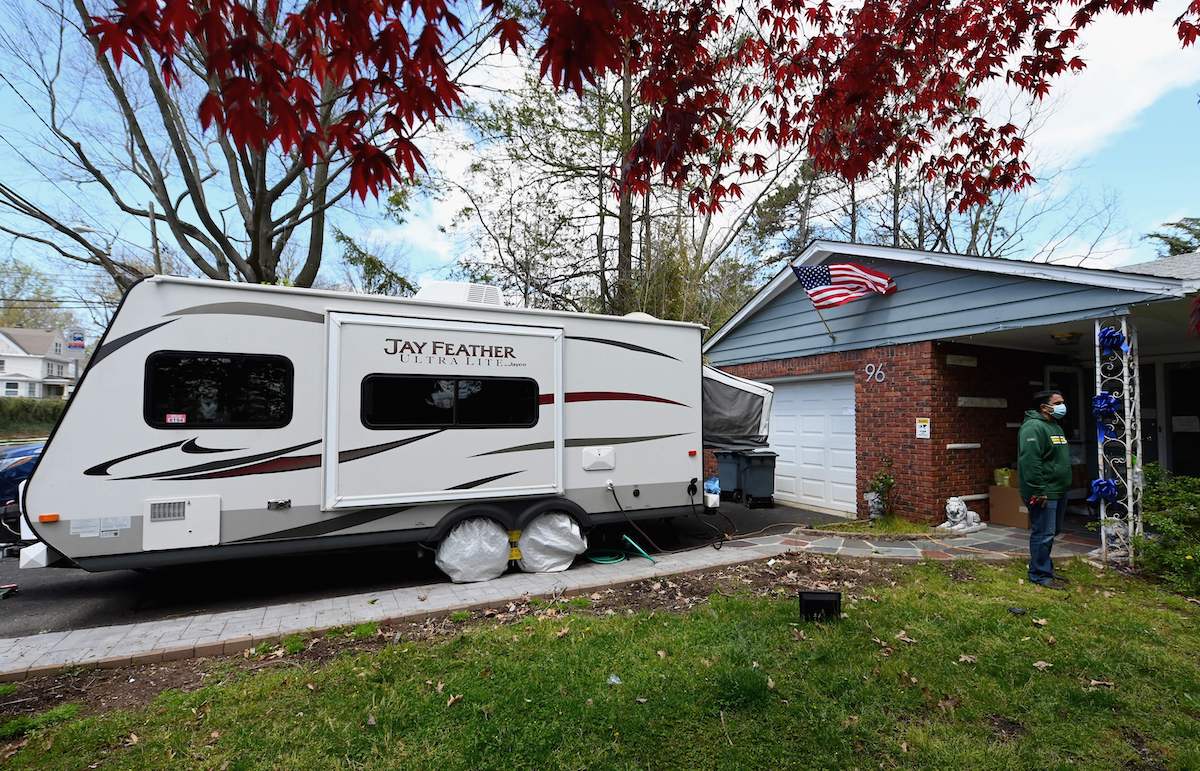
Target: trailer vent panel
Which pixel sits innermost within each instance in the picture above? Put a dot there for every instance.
(168, 511)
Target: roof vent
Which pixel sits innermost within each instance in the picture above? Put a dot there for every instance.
(460, 292)
(639, 316)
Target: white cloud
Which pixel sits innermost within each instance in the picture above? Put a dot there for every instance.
(1132, 62)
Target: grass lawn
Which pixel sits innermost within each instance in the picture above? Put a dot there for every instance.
(883, 526)
(933, 672)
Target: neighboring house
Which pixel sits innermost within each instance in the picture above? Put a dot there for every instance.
(38, 363)
(963, 344)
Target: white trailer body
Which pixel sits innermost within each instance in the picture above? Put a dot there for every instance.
(219, 420)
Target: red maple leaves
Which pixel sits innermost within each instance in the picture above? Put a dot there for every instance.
(852, 84)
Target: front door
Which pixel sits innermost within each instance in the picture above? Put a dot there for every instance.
(416, 407)
(1183, 400)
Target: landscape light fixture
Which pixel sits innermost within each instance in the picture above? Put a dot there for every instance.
(820, 606)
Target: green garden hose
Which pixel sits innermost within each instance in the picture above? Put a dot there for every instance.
(613, 556)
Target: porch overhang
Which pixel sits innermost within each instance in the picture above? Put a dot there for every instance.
(1162, 331)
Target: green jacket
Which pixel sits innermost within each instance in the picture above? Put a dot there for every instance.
(1043, 458)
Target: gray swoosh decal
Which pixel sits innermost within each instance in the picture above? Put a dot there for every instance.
(111, 347)
(101, 469)
(352, 519)
(622, 344)
(588, 442)
(192, 448)
(360, 517)
(219, 464)
(252, 309)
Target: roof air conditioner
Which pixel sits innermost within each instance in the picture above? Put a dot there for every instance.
(460, 292)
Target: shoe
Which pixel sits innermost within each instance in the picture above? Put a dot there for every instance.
(1060, 579)
(1052, 583)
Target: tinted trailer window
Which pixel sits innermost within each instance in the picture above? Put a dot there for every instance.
(218, 390)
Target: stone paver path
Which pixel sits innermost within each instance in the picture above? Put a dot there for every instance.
(211, 634)
(993, 543)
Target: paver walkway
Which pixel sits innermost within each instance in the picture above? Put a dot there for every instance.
(993, 543)
(211, 634)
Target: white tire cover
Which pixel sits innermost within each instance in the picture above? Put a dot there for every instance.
(475, 550)
(549, 543)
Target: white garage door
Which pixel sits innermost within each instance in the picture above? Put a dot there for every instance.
(812, 429)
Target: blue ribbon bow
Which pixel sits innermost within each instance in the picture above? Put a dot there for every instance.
(1103, 489)
(1111, 340)
(1104, 407)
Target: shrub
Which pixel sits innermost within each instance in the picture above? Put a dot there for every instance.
(1171, 510)
(15, 410)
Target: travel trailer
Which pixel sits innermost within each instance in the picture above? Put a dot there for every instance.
(220, 420)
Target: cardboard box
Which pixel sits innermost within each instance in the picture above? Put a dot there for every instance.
(1014, 480)
(1006, 508)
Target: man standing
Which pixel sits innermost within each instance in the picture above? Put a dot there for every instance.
(1044, 465)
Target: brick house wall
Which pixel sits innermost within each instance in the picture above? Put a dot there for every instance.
(919, 383)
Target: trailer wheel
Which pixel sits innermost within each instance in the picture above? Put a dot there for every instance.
(550, 542)
(476, 549)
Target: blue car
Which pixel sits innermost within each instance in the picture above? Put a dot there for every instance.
(16, 462)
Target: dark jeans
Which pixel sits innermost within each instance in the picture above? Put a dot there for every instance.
(1045, 522)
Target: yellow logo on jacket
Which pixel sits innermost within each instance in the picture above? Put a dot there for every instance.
(1058, 440)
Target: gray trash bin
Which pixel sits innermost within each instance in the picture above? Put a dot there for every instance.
(757, 475)
(729, 468)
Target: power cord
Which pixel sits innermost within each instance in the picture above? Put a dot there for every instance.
(716, 544)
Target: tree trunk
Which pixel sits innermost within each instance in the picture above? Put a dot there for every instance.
(601, 266)
(896, 191)
(622, 303)
(853, 212)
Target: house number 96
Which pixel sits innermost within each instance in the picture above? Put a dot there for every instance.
(875, 372)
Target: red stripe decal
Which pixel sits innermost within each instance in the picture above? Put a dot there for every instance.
(606, 396)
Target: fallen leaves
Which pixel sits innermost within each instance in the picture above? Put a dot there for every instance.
(561, 633)
(131, 740)
(454, 699)
(966, 658)
(1040, 622)
(9, 750)
(1093, 684)
(902, 636)
(1042, 666)
(798, 634)
(770, 683)
(371, 720)
(641, 700)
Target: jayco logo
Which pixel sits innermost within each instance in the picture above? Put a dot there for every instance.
(442, 352)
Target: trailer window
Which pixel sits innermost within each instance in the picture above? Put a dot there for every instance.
(407, 401)
(218, 390)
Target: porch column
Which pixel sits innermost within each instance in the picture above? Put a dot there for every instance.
(1117, 411)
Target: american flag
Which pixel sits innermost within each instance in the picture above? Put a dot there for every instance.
(837, 284)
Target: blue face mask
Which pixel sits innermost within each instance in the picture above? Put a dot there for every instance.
(1058, 410)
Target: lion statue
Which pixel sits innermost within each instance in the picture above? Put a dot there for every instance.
(960, 519)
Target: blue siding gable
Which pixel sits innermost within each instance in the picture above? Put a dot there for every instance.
(930, 303)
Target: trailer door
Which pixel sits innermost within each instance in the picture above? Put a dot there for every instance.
(424, 410)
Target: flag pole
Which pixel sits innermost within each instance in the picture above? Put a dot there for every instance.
(826, 323)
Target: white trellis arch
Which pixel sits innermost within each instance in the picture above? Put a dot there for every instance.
(1117, 411)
